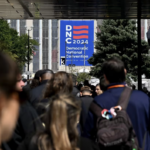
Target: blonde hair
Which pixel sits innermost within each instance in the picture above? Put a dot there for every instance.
(61, 124)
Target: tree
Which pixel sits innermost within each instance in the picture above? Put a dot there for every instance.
(82, 77)
(118, 38)
(16, 46)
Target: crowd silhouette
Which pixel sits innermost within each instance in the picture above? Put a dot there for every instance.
(54, 112)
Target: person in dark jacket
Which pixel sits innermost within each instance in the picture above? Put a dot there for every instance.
(75, 91)
(60, 130)
(36, 80)
(138, 107)
(86, 100)
(61, 82)
(103, 84)
(28, 121)
(36, 94)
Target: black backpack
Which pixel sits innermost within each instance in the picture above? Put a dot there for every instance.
(116, 133)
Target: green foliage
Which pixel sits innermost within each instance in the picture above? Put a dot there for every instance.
(83, 76)
(119, 38)
(16, 46)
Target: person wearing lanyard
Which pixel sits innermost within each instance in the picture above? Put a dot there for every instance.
(138, 107)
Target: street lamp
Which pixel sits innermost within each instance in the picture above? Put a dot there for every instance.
(148, 36)
(28, 56)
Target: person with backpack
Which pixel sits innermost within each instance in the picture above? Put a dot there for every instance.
(60, 133)
(130, 105)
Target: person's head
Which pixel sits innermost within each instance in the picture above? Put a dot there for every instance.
(86, 83)
(103, 84)
(60, 82)
(98, 89)
(9, 101)
(86, 90)
(80, 86)
(61, 121)
(20, 84)
(74, 79)
(133, 87)
(36, 80)
(37, 74)
(114, 71)
(46, 75)
(145, 89)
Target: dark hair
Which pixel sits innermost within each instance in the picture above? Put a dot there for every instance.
(86, 83)
(113, 69)
(74, 79)
(103, 84)
(60, 82)
(46, 71)
(80, 86)
(8, 74)
(60, 124)
(38, 74)
(35, 81)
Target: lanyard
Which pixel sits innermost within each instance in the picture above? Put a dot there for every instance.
(115, 86)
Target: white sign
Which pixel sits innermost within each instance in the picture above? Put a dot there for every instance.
(28, 73)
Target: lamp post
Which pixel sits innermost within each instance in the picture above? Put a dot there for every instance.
(28, 56)
(84, 55)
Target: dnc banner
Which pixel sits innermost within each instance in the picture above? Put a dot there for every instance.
(76, 42)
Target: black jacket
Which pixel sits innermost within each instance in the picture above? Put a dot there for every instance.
(75, 91)
(83, 144)
(86, 102)
(28, 122)
(36, 94)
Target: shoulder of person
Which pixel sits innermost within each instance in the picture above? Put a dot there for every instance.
(104, 95)
(29, 143)
(139, 93)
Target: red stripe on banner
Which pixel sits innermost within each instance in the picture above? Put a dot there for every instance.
(81, 37)
(80, 32)
(81, 27)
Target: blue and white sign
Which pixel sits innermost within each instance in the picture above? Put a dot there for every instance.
(76, 41)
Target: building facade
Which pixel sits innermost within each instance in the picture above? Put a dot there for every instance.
(47, 34)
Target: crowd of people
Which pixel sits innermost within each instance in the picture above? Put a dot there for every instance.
(54, 112)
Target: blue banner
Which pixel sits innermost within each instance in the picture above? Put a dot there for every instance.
(76, 42)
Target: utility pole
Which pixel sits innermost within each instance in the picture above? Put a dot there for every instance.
(28, 53)
(139, 46)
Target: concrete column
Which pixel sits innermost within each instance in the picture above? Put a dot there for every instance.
(145, 29)
(40, 42)
(50, 44)
(9, 22)
(29, 25)
(18, 27)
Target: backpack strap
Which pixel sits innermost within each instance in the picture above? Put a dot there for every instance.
(124, 98)
(123, 102)
(95, 109)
